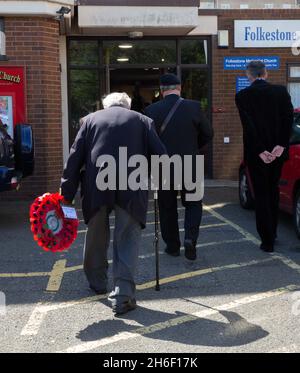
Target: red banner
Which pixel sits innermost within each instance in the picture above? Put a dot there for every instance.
(12, 96)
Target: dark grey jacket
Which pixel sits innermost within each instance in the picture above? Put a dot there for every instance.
(102, 133)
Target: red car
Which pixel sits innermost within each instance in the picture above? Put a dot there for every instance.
(289, 182)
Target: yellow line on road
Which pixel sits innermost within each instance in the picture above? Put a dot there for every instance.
(56, 275)
(176, 321)
(200, 272)
(40, 312)
(30, 274)
(146, 256)
(245, 233)
(205, 226)
(287, 261)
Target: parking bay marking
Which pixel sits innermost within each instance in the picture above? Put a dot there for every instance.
(56, 275)
(40, 311)
(176, 321)
(205, 226)
(248, 237)
(75, 268)
(210, 209)
(287, 261)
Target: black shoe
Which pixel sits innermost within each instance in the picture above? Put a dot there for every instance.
(122, 308)
(172, 252)
(98, 291)
(190, 251)
(267, 248)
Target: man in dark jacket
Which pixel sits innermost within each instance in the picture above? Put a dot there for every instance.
(187, 131)
(266, 114)
(102, 134)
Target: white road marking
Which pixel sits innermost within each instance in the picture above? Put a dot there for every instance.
(40, 311)
(138, 332)
(36, 318)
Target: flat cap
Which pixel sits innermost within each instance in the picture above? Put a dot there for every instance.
(169, 79)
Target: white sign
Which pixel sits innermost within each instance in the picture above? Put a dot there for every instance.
(266, 34)
(69, 212)
(137, 17)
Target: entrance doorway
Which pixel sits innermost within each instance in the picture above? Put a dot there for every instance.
(97, 67)
(141, 84)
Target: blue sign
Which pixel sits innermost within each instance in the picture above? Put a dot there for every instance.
(240, 62)
(241, 83)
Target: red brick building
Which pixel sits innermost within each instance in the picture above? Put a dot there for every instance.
(72, 59)
(225, 117)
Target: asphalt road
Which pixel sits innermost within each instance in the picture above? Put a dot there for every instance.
(233, 298)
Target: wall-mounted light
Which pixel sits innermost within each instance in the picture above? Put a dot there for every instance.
(3, 56)
(61, 18)
(62, 12)
(223, 38)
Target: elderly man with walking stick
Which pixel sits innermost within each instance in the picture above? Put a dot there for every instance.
(103, 134)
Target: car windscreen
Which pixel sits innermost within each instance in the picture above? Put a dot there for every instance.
(295, 138)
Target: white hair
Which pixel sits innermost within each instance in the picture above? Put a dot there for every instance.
(117, 99)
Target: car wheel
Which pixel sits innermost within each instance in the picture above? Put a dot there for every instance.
(246, 199)
(297, 213)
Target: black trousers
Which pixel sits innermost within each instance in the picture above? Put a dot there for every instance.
(265, 179)
(167, 201)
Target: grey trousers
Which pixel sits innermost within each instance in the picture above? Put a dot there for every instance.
(126, 242)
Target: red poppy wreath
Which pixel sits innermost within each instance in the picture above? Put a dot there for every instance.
(52, 231)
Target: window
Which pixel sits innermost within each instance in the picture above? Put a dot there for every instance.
(294, 71)
(207, 5)
(193, 51)
(83, 53)
(294, 84)
(225, 6)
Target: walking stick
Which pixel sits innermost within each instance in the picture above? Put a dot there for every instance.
(156, 239)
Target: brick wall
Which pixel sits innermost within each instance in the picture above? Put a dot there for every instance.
(226, 157)
(34, 43)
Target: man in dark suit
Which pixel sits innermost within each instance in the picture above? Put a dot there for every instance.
(266, 114)
(187, 131)
(102, 134)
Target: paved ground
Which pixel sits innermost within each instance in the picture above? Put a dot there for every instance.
(234, 298)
